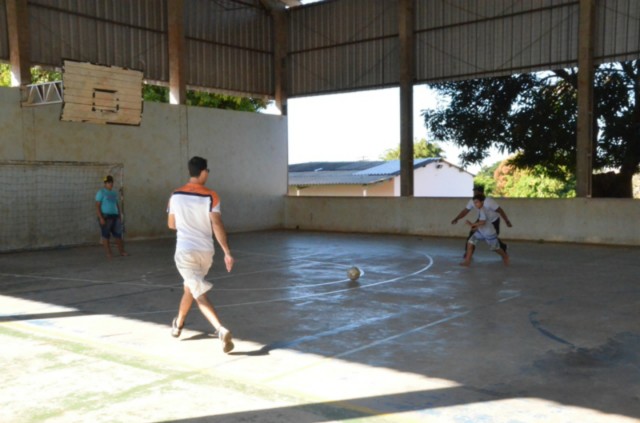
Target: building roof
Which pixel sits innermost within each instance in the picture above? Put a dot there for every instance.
(349, 173)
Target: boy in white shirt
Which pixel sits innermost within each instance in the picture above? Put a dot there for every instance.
(483, 230)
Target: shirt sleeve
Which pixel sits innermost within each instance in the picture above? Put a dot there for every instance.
(491, 204)
(216, 208)
(99, 196)
(470, 205)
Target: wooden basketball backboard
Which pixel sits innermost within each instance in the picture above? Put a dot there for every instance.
(101, 94)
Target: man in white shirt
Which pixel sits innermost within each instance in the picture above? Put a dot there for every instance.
(493, 211)
(194, 212)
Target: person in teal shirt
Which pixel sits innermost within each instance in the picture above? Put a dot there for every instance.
(109, 216)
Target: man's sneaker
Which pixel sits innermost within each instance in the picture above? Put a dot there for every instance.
(225, 336)
(175, 330)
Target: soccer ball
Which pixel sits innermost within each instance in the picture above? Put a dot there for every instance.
(353, 273)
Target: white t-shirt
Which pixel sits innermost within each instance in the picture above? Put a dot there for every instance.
(191, 205)
(487, 230)
(490, 207)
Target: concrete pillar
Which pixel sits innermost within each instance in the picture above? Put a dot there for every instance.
(18, 31)
(177, 82)
(407, 76)
(280, 21)
(585, 130)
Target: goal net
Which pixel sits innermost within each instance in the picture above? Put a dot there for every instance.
(51, 204)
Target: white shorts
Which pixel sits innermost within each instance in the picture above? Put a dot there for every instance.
(492, 241)
(193, 267)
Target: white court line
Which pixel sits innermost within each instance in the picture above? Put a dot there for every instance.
(301, 297)
(382, 341)
(428, 325)
(92, 281)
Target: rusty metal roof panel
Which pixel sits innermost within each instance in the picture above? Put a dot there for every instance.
(4, 32)
(342, 45)
(129, 34)
(229, 44)
(618, 30)
(460, 39)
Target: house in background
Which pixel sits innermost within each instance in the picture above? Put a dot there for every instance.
(432, 177)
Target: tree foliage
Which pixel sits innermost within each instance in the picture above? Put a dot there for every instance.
(38, 75)
(504, 179)
(5, 75)
(152, 92)
(205, 99)
(421, 149)
(535, 115)
(531, 183)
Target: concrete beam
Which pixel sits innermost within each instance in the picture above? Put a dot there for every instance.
(407, 76)
(585, 130)
(177, 80)
(18, 30)
(280, 20)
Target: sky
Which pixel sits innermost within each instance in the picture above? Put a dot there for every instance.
(358, 126)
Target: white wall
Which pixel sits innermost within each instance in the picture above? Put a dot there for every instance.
(384, 189)
(247, 154)
(248, 157)
(580, 220)
(442, 179)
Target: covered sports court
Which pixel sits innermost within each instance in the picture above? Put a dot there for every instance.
(553, 337)
(418, 338)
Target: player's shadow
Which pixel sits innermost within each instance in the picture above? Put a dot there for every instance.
(265, 350)
(260, 352)
(200, 336)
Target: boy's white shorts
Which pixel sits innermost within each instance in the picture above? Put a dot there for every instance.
(193, 267)
(493, 241)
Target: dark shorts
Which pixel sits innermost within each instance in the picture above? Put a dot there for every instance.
(112, 226)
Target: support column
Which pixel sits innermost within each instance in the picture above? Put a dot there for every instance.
(585, 130)
(407, 76)
(280, 22)
(19, 52)
(280, 48)
(177, 82)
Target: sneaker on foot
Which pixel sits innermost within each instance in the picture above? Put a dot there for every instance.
(175, 330)
(225, 336)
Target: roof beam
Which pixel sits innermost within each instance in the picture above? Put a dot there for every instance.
(280, 25)
(18, 30)
(177, 79)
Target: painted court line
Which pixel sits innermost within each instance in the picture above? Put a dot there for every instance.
(302, 297)
(382, 341)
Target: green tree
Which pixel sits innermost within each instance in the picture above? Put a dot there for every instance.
(535, 115)
(38, 75)
(511, 181)
(421, 149)
(5, 75)
(486, 178)
(205, 99)
(152, 92)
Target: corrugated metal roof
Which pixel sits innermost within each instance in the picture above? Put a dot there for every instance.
(4, 35)
(333, 46)
(333, 166)
(392, 167)
(349, 173)
(459, 39)
(333, 178)
(342, 45)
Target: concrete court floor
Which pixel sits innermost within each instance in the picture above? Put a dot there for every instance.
(554, 337)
